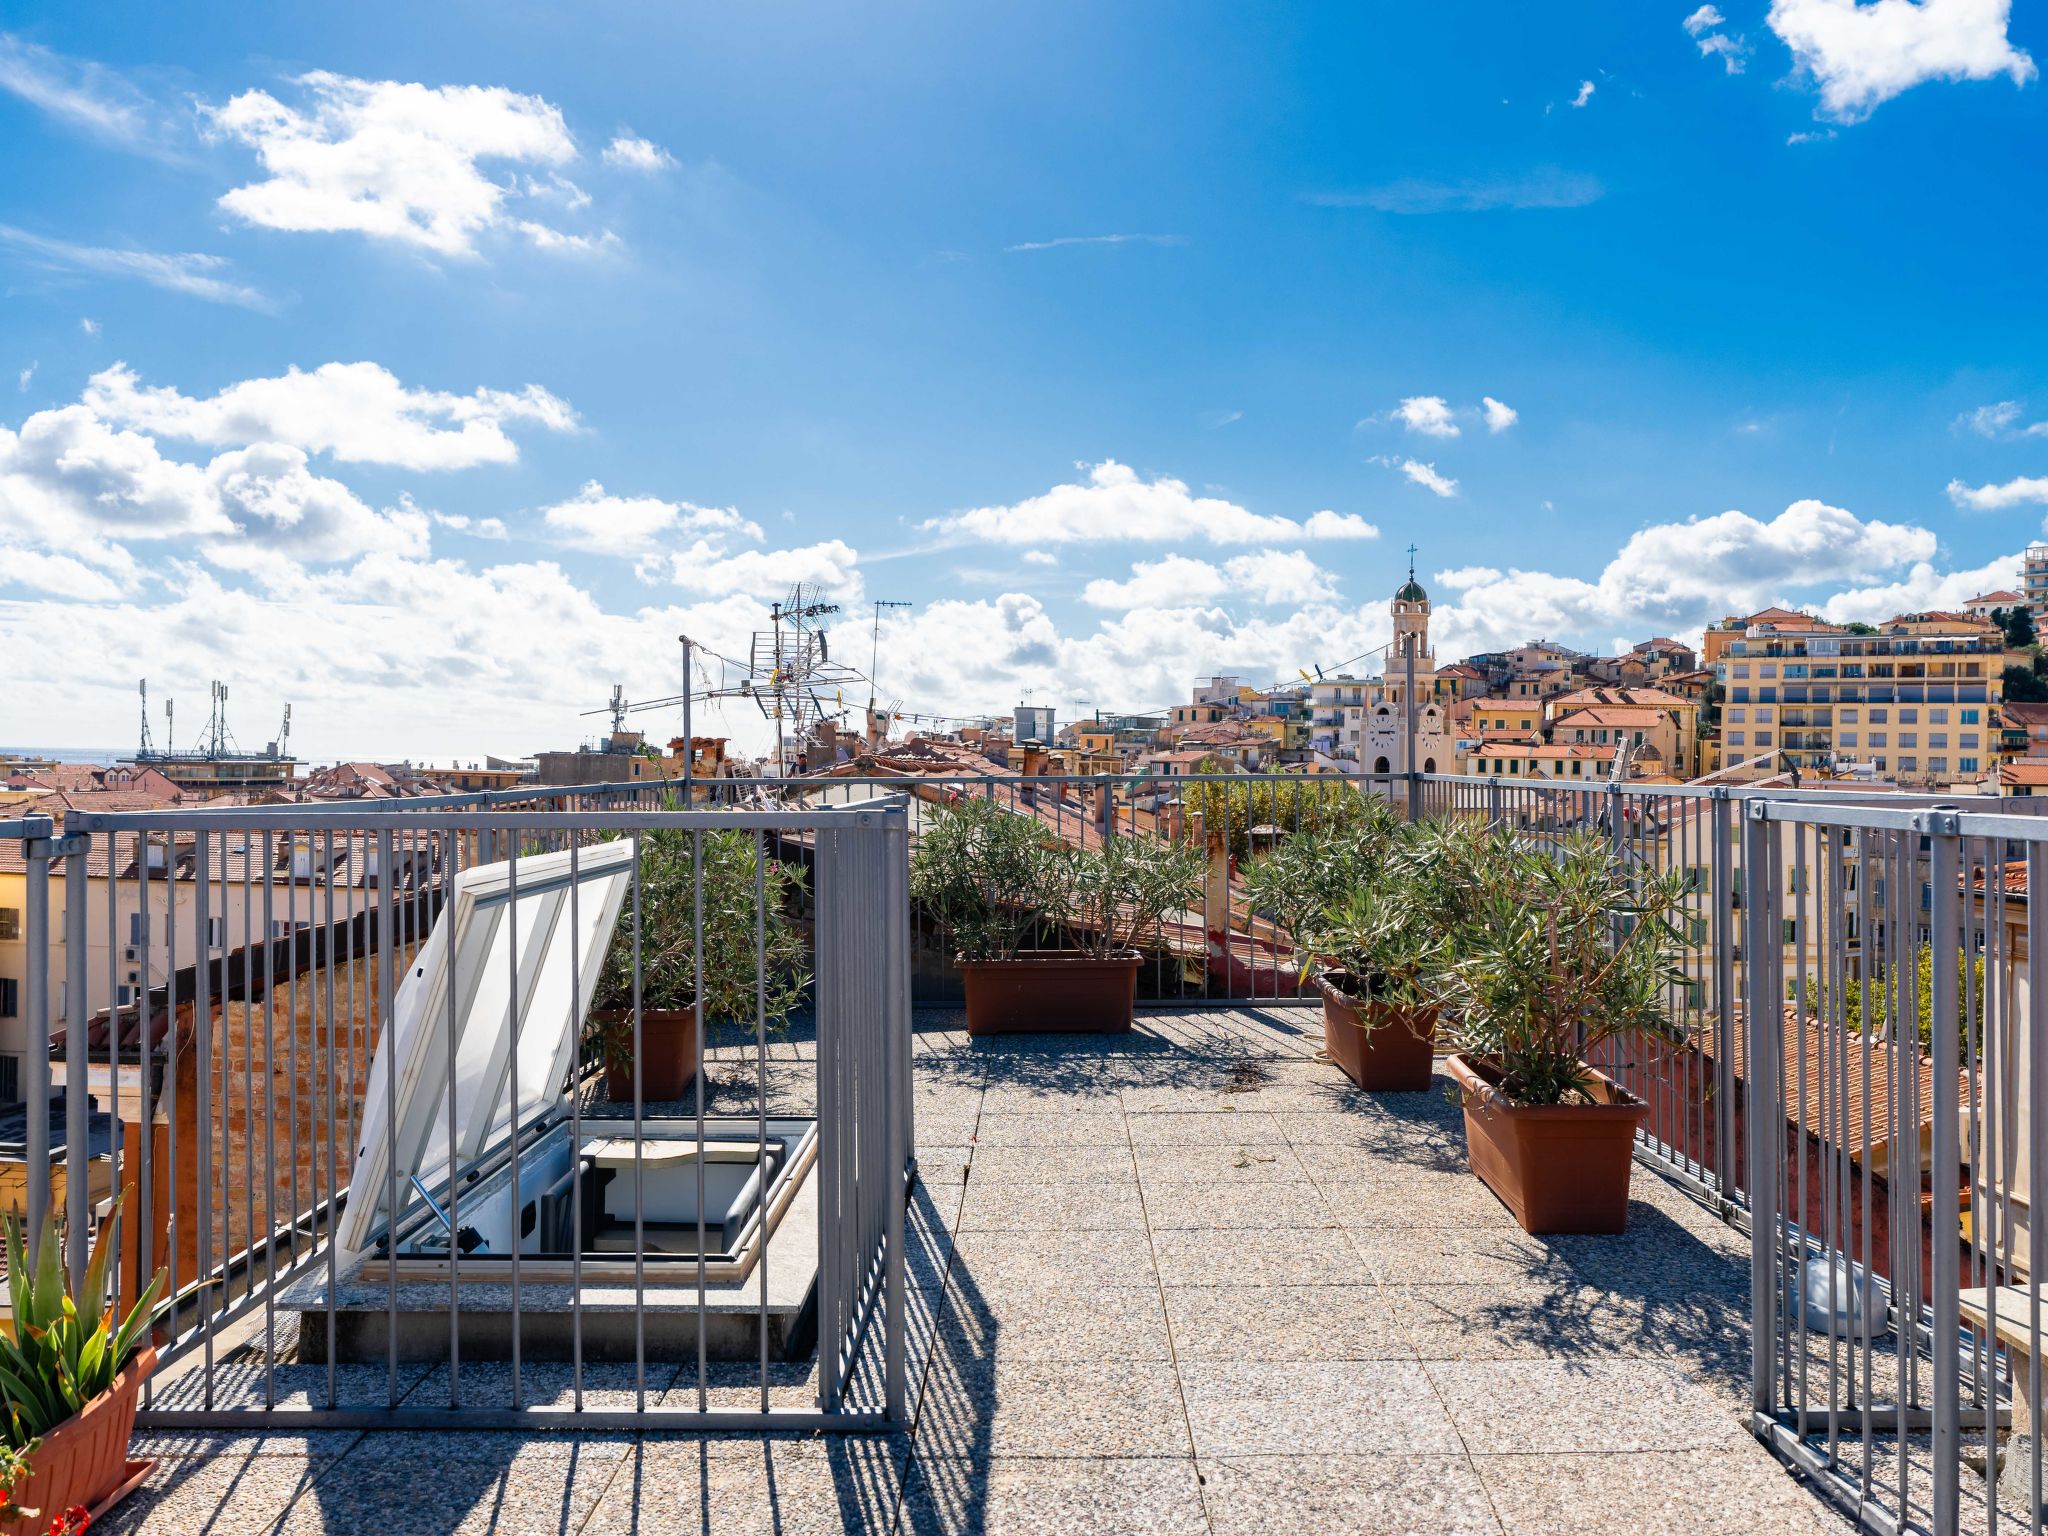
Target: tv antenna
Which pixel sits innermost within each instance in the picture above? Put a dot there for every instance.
(875, 643)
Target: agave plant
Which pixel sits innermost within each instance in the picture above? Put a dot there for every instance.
(66, 1349)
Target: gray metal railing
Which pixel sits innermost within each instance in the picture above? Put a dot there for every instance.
(296, 1069)
(1897, 1117)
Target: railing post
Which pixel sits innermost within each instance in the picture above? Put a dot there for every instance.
(77, 1007)
(36, 1091)
(1722, 894)
(1493, 804)
(1943, 831)
(1761, 1010)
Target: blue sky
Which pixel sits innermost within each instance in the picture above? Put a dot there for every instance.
(1128, 342)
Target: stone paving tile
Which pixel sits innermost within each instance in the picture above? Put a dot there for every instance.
(1661, 1493)
(1058, 1408)
(1404, 1197)
(1494, 1257)
(1077, 1263)
(1218, 1203)
(1051, 1165)
(1233, 1128)
(1081, 1128)
(1284, 1322)
(1558, 1406)
(1315, 1408)
(1039, 1095)
(1285, 1256)
(451, 1496)
(1120, 1323)
(1377, 1495)
(1094, 1496)
(551, 1384)
(1240, 1162)
(231, 1494)
(742, 1486)
(1040, 1207)
(1707, 1336)
(238, 1382)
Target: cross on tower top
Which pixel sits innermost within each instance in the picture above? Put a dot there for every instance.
(1411, 562)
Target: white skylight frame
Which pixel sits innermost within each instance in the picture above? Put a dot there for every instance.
(551, 1013)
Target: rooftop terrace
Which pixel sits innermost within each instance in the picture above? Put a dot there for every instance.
(1183, 1280)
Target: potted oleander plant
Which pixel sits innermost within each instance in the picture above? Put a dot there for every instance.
(1565, 949)
(70, 1376)
(1045, 935)
(1379, 988)
(755, 958)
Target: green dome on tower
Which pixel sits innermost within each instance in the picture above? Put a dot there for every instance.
(1411, 589)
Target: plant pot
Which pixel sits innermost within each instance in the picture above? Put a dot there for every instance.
(1382, 1047)
(85, 1459)
(1558, 1167)
(668, 1054)
(1050, 991)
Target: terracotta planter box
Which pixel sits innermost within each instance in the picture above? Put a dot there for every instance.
(1381, 1047)
(84, 1460)
(668, 1054)
(1558, 1167)
(1050, 991)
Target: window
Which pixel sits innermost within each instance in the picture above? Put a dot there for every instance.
(1737, 716)
(10, 922)
(1969, 716)
(1763, 738)
(1937, 765)
(1768, 695)
(1966, 765)
(1767, 669)
(213, 933)
(1937, 717)
(10, 998)
(1791, 931)
(1937, 739)
(138, 928)
(1846, 738)
(1877, 739)
(1909, 717)
(1735, 738)
(1848, 717)
(1909, 738)
(123, 996)
(1879, 716)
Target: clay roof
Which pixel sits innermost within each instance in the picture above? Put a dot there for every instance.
(2023, 714)
(2027, 772)
(1997, 597)
(1639, 698)
(1612, 717)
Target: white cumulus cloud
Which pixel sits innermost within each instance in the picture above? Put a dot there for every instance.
(1338, 525)
(1116, 503)
(1585, 93)
(1997, 498)
(355, 412)
(1427, 415)
(1863, 54)
(1499, 415)
(632, 153)
(1269, 576)
(629, 525)
(390, 160)
(1425, 475)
